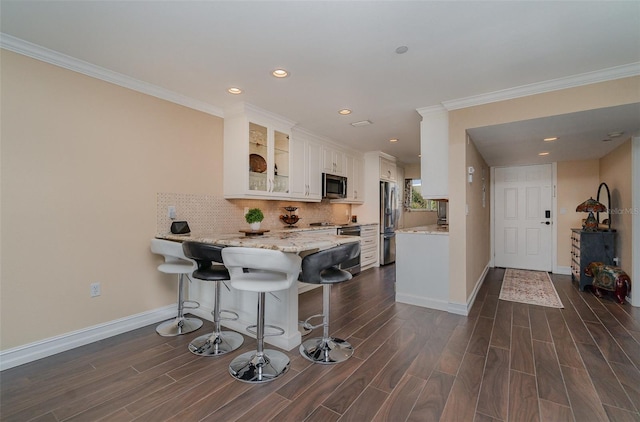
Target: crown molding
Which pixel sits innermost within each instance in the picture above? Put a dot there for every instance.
(55, 58)
(46, 55)
(618, 72)
(436, 109)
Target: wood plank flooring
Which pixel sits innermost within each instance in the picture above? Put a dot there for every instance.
(506, 361)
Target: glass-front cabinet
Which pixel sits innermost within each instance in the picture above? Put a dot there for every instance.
(256, 154)
(268, 166)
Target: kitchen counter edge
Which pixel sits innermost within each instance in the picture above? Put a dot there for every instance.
(430, 229)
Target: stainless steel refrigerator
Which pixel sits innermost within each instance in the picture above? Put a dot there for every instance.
(388, 221)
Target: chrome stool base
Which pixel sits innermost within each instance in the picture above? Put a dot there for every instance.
(178, 326)
(216, 344)
(256, 368)
(326, 350)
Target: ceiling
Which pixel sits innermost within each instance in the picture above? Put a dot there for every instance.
(343, 55)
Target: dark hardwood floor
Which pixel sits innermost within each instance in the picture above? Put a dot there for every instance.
(505, 362)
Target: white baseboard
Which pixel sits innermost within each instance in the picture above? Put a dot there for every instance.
(464, 308)
(562, 270)
(425, 302)
(41, 349)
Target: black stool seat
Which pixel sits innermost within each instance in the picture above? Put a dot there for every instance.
(213, 273)
(219, 342)
(322, 268)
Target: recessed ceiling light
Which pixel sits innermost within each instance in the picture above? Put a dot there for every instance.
(280, 73)
(402, 49)
(615, 134)
(393, 140)
(553, 138)
(361, 123)
(543, 153)
(234, 90)
(344, 111)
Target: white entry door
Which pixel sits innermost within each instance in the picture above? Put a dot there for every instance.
(522, 224)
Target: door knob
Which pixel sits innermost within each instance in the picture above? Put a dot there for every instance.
(545, 222)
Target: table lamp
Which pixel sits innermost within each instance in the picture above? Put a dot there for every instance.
(590, 206)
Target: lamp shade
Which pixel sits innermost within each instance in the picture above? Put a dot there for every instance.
(591, 205)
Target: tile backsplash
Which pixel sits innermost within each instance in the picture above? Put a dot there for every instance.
(210, 214)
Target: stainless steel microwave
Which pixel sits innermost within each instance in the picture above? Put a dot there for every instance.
(333, 186)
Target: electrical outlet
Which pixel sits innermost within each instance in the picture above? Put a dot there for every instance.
(94, 289)
(171, 212)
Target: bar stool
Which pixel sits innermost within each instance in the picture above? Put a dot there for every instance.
(269, 271)
(218, 342)
(175, 262)
(322, 268)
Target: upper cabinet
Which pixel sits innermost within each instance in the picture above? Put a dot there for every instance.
(387, 170)
(355, 179)
(306, 174)
(333, 161)
(434, 147)
(354, 170)
(266, 158)
(256, 154)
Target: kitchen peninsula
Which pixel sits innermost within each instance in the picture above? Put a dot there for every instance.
(282, 305)
(422, 266)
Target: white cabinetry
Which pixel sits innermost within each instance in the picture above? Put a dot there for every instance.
(387, 170)
(333, 161)
(434, 147)
(368, 246)
(256, 154)
(306, 176)
(354, 167)
(355, 180)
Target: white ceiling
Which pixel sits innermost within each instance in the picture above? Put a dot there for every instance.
(342, 55)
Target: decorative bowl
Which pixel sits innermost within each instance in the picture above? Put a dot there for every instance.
(289, 219)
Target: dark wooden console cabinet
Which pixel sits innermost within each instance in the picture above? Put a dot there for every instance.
(587, 247)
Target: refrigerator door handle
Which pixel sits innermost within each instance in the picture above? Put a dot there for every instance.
(394, 213)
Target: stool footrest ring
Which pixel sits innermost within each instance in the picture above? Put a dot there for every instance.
(277, 331)
(306, 324)
(234, 315)
(190, 304)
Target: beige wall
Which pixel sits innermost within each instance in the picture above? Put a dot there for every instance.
(615, 171)
(464, 254)
(576, 182)
(479, 217)
(82, 161)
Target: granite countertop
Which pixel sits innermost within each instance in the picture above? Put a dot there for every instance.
(299, 228)
(286, 240)
(430, 229)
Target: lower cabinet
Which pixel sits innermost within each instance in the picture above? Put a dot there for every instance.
(368, 246)
(587, 247)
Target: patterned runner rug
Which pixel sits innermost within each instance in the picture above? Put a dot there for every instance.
(532, 287)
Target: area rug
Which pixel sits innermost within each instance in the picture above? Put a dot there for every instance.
(532, 287)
